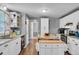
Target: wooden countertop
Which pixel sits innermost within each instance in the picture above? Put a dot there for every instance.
(48, 39)
(51, 41)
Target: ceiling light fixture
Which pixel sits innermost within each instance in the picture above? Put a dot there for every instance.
(44, 10)
(4, 7)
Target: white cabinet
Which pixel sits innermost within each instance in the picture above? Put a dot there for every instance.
(44, 25)
(15, 18)
(15, 47)
(4, 49)
(18, 46)
(52, 49)
(72, 18)
(73, 46)
(11, 48)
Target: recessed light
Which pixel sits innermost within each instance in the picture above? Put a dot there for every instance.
(44, 10)
(4, 7)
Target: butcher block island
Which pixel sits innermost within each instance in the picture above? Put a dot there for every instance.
(47, 45)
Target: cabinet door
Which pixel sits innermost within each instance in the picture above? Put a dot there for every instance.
(48, 51)
(42, 51)
(5, 49)
(58, 49)
(18, 46)
(52, 49)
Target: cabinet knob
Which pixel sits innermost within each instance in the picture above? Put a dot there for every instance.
(1, 53)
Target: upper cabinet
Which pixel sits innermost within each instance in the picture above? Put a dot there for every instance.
(15, 18)
(70, 21)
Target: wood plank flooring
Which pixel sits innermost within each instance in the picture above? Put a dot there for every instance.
(30, 49)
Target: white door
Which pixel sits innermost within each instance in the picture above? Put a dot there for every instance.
(27, 32)
(44, 25)
(34, 28)
(31, 29)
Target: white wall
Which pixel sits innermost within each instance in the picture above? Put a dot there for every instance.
(54, 25)
(74, 18)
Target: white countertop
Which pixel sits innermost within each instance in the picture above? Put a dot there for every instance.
(74, 37)
(2, 41)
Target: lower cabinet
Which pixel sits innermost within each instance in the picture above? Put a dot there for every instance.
(11, 48)
(73, 46)
(51, 49)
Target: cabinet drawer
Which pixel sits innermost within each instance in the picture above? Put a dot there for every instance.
(52, 45)
(45, 45)
(59, 45)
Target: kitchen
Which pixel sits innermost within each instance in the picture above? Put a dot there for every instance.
(36, 29)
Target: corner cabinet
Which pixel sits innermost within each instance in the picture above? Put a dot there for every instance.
(11, 48)
(44, 25)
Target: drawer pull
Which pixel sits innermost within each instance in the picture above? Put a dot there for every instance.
(1, 53)
(6, 45)
(76, 44)
(57, 45)
(45, 45)
(17, 43)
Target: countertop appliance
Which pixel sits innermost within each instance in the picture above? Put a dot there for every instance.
(71, 33)
(63, 30)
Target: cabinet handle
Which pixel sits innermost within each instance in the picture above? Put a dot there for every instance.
(68, 49)
(6, 45)
(17, 43)
(1, 53)
(45, 45)
(76, 44)
(57, 45)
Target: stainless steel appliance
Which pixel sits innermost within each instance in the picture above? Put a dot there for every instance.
(64, 38)
(22, 42)
(63, 30)
(71, 33)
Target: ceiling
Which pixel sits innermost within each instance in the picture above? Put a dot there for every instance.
(35, 9)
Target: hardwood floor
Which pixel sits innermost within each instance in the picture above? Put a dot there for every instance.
(30, 49)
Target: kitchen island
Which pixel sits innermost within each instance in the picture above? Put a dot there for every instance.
(53, 46)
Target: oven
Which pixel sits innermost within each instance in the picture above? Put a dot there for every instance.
(22, 41)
